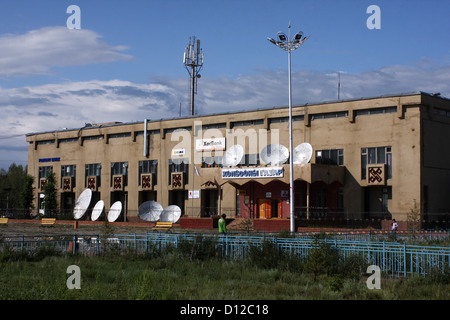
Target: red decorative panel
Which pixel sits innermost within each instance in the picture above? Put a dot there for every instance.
(177, 180)
(67, 184)
(118, 182)
(92, 183)
(376, 174)
(147, 181)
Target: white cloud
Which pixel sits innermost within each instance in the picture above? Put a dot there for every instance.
(37, 51)
(72, 104)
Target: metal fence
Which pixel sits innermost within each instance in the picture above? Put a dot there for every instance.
(393, 258)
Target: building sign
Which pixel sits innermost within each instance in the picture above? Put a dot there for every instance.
(49, 159)
(194, 194)
(178, 152)
(210, 144)
(256, 173)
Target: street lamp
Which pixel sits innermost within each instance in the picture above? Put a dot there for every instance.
(289, 45)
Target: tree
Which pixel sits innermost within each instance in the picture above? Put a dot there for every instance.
(27, 195)
(11, 184)
(50, 202)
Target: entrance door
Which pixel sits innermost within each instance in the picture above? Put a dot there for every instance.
(177, 198)
(210, 202)
(265, 208)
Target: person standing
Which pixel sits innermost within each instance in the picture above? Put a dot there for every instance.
(394, 227)
(223, 224)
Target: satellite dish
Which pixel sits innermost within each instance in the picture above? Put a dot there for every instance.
(170, 214)
(150, 211)
(302, 153)
(97, 211)
(82, 204)
(274, 154)
(233, 156)
(114, 211)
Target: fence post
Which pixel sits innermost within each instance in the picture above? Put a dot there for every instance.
(74, 244)
(404, 259)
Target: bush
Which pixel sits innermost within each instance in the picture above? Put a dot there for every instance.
(201, 248)
(322, 259)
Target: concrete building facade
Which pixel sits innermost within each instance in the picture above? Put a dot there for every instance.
(376, 157)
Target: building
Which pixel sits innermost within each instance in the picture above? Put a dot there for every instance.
(377, 157)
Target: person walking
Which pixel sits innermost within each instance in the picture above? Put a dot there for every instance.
(223, 224)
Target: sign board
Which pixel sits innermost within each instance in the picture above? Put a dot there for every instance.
(178, 152)
(255, 173)
(210, 144)
(194, 194)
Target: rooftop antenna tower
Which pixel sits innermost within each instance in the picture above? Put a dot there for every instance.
(193, 61)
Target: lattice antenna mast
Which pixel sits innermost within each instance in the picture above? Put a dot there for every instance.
(193, 61)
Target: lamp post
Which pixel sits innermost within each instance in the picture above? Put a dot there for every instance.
(286, 44)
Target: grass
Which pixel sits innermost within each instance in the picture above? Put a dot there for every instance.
(198, 273)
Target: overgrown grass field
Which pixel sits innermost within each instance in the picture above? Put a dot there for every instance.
(197, 272)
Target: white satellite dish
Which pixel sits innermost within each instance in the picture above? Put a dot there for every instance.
(97, 211)
(150, 211)
(233, 156)
(302, 153)
(82, 203)
(114, 211)
(170, 214)
(274, 154)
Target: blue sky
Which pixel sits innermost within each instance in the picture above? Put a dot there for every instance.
(125, 63)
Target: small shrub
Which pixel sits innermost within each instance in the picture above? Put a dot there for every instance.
(336, 282)
(201, 248)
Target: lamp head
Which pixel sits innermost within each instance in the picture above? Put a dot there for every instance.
(281, 36)
(298, 36)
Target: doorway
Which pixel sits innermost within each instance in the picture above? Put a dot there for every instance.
(269, 208)
(210, 202)
(177, 198)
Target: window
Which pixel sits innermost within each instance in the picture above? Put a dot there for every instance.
(148, 166)
(247, 123)
(44, 171)
(211, 162)
(179, 165)
(68, 171)
(249, 160)
(330, 156)
(119, 135)
(329, 115)
(210, 126)
(285, 119)
(65, 140)
(172, 130)
(377, 155)
(367, 112)
(45, 142)
(94, 169)
(97, 137)
(119, 168)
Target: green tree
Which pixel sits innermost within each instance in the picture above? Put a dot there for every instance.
(27, 194)
(11, 184)
(50, 202)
